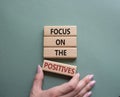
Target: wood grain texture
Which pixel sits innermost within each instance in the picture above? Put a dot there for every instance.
(60, 31)
(60, 42)
(60, 53)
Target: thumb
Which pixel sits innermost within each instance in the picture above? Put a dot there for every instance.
(37, 83)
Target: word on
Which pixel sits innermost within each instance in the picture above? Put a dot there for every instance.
(59, 68)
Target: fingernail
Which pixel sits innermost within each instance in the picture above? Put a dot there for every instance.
(91, 76)
(78, 74)
(92, 83)
(38, 69)
(89, 94)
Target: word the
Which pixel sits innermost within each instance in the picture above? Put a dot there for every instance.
(61, 52)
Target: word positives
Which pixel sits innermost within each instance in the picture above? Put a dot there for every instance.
(59, 68)
(60, 42)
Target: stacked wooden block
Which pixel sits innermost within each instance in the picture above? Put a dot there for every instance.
(59, 68)
(60, 42)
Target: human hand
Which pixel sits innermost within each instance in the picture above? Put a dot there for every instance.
(74, 88)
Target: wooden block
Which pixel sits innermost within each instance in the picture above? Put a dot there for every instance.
(60, 42)
(60, 31)
(61, 53)
(59, 68)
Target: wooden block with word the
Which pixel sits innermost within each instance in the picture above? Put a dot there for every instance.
(59, 68)
(60, 42)
(65, 31)
(60, 53)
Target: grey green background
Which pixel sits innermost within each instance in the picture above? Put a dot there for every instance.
(21, 43)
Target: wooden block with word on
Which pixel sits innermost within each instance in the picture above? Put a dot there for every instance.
(60, 53)
(59, 68)
(60, 42)
(60, 31)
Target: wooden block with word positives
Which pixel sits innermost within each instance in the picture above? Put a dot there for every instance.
(60, 53)
(59, 68)
(60, 42)
(65, 31)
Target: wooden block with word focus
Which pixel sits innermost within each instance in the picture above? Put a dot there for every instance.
(60, 42)
(60, 31)
(59, 68)
(60, 53)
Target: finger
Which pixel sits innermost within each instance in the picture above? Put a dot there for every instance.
(80, 86)
(37, 83)
(88, 87)
(66, 87)
(88, 94)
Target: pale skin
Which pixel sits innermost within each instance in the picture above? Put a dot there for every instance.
(74, 88)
